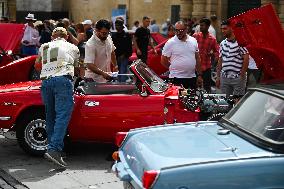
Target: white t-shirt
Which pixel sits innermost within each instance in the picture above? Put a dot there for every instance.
(58, 58)
(31, 35)
(99, 53)
(182, 56)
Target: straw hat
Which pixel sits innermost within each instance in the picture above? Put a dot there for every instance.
(30, 17)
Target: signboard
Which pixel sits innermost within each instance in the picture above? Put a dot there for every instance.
(118, 13)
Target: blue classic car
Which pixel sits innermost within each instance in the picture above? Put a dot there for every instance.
(245, 149)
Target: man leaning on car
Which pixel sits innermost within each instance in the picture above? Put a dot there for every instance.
(57, 60)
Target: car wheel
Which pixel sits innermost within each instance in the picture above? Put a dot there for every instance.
(34, 75)
(31, 134)
(127, 185)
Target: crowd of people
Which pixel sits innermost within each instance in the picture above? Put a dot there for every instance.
(92, 50)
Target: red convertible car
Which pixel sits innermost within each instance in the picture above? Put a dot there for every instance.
(101, 109)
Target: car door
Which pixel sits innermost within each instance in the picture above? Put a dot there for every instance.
(104, 115)
(154, 60)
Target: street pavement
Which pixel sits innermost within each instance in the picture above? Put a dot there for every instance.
(88, 168)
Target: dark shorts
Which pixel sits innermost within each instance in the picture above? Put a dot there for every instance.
(185, 82)
(143, 57)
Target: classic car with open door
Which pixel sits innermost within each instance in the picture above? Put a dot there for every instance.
(100, 111)
(103, 109)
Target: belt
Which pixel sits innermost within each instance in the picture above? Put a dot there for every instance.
(67, 76)
(30, 45)
(230, 75)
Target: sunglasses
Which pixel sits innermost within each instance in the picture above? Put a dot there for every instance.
(103, 33)
(179, 30)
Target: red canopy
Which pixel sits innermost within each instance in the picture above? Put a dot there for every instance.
(261, 32)
(11, 35)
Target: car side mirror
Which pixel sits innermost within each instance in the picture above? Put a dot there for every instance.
(144, 90)
(9, 52)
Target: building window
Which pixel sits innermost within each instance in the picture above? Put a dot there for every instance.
(175, 13)
(3, 8)
(121, 6)
(237, 7)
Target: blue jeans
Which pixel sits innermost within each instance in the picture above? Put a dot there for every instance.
(57, 95)
(122, 68)
(29, 50)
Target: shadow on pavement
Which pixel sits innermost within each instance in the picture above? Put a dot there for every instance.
(89, 164)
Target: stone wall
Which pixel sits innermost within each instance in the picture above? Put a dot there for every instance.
(89, 9)
(12, 9)
(47, 9)
(95, 10)
(34, 5)
(160, 10)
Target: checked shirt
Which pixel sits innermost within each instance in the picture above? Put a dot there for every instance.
(208, 47)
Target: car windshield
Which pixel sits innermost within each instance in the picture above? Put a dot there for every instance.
(151, 78)
(260, 114)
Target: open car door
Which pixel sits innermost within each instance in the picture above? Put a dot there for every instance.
(11, 36)
(261, 32)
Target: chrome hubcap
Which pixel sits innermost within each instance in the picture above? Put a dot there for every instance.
(35, 135)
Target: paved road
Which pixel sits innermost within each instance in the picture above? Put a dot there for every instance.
(88, 168)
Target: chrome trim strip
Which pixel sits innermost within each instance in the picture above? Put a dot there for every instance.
(5, 118)
(9, 104)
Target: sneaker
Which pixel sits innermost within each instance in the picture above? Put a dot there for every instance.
(56, 158)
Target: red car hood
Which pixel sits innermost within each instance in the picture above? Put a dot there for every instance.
(11, 35)
(261, 32)
(22, 86)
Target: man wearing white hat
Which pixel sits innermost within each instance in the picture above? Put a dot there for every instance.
(88, 28)
(30, 40)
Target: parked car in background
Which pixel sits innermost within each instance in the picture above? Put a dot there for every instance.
(10, 39)
(20, 70)
(13, 66)
(245, 149)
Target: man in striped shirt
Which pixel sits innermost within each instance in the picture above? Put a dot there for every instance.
(232, 64)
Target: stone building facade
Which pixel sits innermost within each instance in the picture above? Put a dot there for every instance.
(42, 9)
(78, 10)
(160, 10)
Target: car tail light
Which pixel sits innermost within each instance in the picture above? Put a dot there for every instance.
(149, 178)
(115, 156)
(119, 138)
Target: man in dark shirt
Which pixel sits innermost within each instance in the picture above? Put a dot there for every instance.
(122, 42)
(142, 38)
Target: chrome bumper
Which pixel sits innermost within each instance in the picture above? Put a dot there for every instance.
(5, 118)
